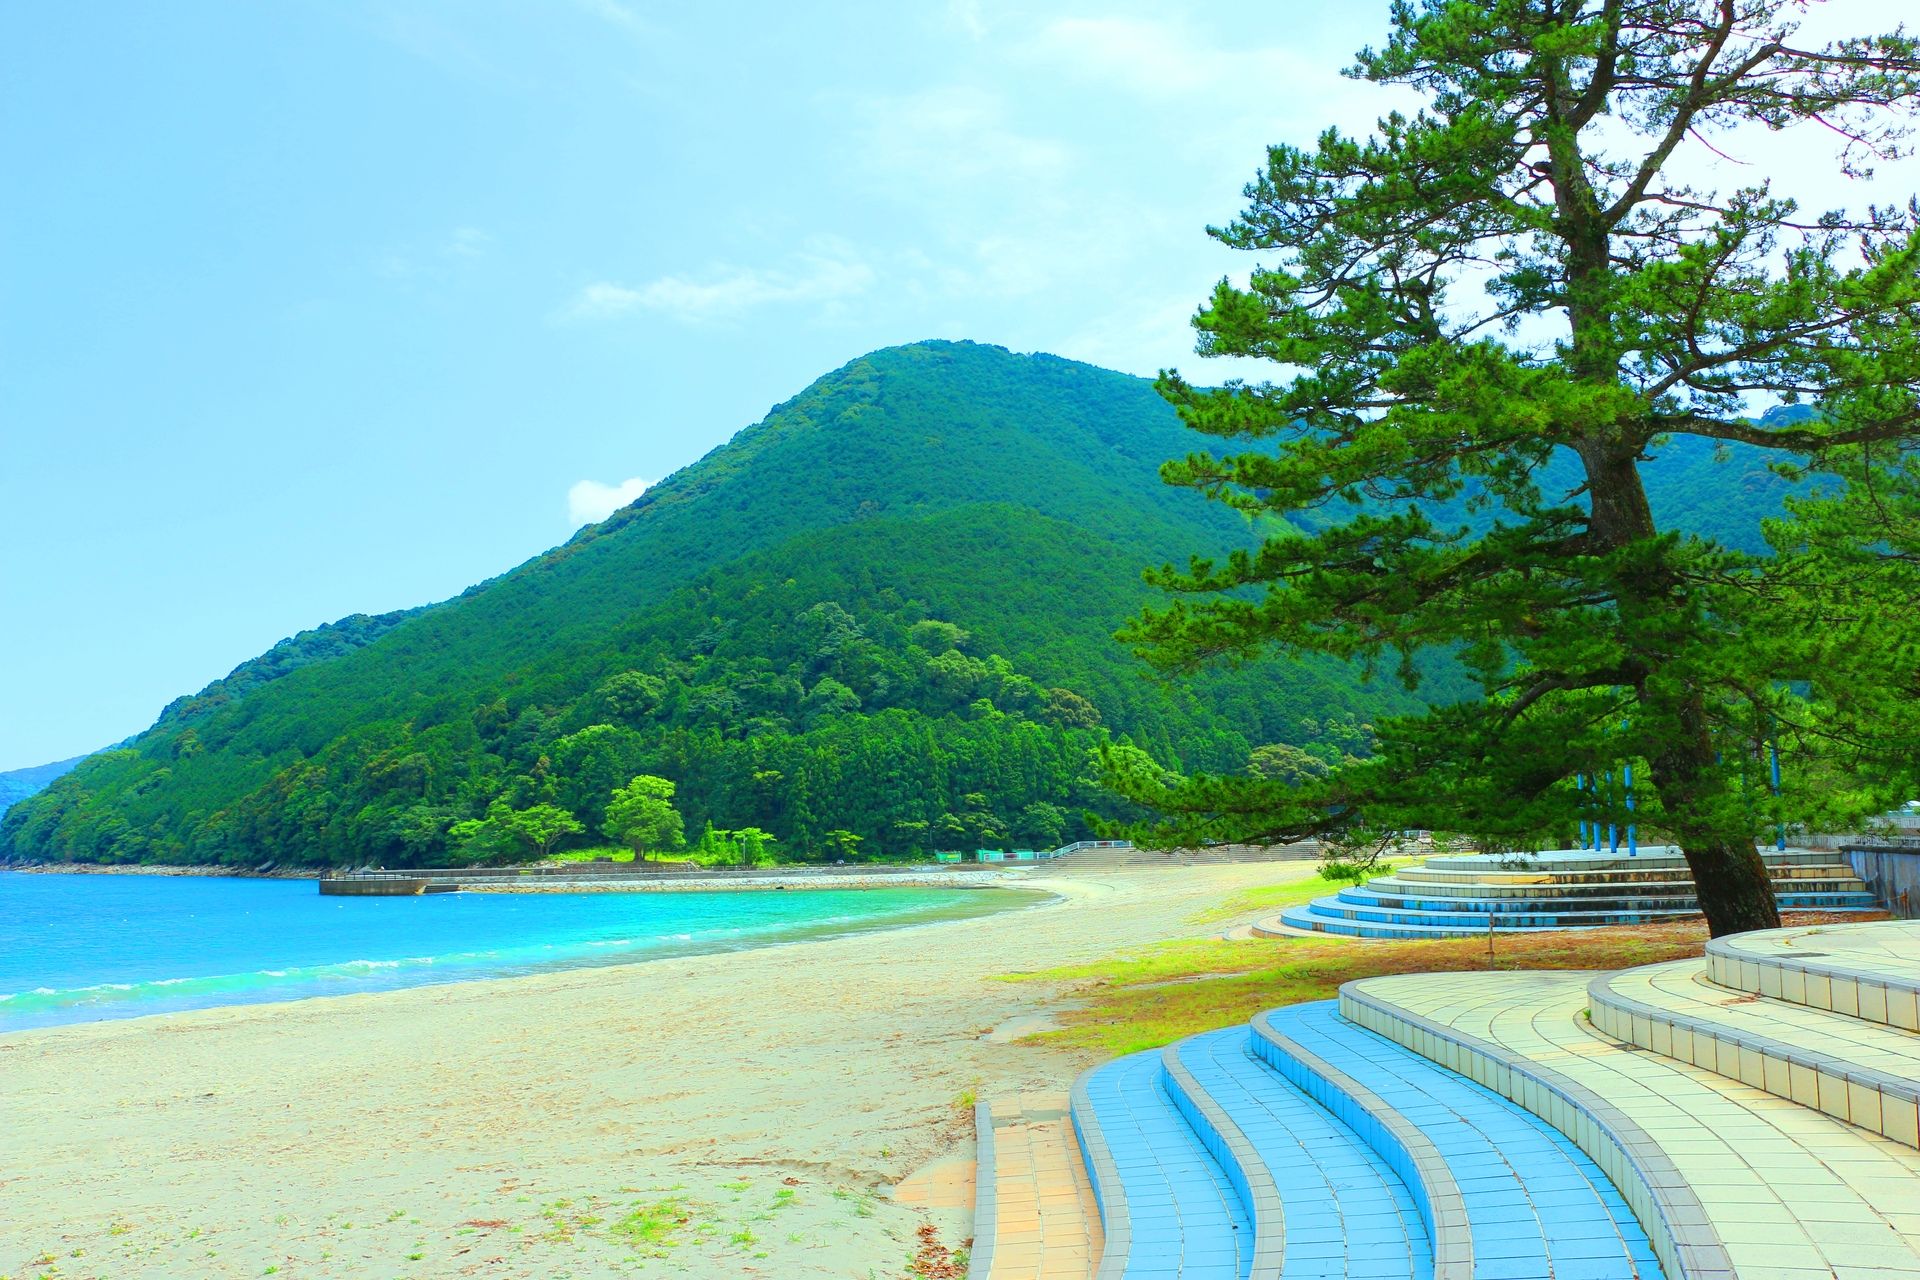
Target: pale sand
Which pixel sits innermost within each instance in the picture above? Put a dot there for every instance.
(366, 1135)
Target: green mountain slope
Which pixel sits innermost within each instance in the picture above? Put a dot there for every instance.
(883, 613)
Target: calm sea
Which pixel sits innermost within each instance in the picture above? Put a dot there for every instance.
(83, 948)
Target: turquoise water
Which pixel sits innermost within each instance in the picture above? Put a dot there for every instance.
(83, 948)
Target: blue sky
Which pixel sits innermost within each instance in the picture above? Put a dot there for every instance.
(323, 306)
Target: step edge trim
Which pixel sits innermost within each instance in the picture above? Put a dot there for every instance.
(1437, 1195)
(1259, 1194)
(986, 1191)
(1109, 1193)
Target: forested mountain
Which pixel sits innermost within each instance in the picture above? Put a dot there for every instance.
(879, 619)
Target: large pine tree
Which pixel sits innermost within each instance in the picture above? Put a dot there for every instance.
(1516, 275)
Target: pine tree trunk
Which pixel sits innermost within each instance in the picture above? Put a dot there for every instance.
(1730, 880)
(1734, 888)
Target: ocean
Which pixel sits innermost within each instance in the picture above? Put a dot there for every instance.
(81, 948)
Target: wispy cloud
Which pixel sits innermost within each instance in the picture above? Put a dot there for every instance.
(602, 301)
(590, 502)
(467, 242)
(1160, 60)
(951, 137)
(435, 262)
(829, 276)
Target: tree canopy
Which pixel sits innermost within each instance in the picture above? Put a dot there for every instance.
(642, 817)
(1495, 315)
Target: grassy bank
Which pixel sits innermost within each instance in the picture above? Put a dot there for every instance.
(1147, 998)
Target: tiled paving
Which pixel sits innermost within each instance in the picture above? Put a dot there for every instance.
(1731, 1178)
(1183, 1218)
(1046, 1225)
(1345, 1213)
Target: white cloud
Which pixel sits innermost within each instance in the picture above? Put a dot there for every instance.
(603, 301)
(965, 14)
(956, 139)
(590, 502)
(825, 276)
(467, 242)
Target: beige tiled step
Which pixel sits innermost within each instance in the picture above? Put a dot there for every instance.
(1617, 875)
(1869, 971)
(1045, 1223)
(1728, 1180)
(1863, 1072)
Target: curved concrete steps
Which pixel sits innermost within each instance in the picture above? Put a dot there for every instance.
(1868, 971)
(1341, 1212)
(1856, 1070)
(1728, 1179)
(1534, 1206)
(1457, 895)
(1169, 1211)
(1647, 1125)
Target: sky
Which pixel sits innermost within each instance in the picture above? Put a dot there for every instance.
(335, 306)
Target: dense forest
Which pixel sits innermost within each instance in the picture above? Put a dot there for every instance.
(877, 624)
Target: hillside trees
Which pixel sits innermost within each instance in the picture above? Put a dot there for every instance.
(642, 817)
(509, 833)
(820, 728)
(1624, 309)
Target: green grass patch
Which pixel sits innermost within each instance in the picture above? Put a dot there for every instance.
(654, 1227)
(1150, 997)
(1268, 899)
(616, 852)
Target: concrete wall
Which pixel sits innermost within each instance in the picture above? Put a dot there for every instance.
(1891, 875)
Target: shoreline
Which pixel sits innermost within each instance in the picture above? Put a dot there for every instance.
(774, 878)
(772, 881)
(767, 1098)
(444, 970)
(153, 869)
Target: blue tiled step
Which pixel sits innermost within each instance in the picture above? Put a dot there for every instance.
(1510, 915)
(1345, 1215)
(1536, 1206)
(1371, 897)
(1169, 1209)
(1402, 926)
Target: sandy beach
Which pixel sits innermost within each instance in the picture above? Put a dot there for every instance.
(730, 1115)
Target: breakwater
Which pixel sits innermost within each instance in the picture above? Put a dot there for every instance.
(624, 878)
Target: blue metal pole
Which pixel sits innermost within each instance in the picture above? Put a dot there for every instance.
(1580, 785)
(1780, 831)
(1633, 844)
(1613, 832)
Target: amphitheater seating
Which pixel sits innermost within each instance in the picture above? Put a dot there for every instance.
(1749, 1115)
(1457, 895)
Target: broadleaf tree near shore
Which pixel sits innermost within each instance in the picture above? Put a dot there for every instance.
(1624, 311)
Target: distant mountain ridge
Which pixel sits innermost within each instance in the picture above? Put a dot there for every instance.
(18, 784)
(879, 619)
